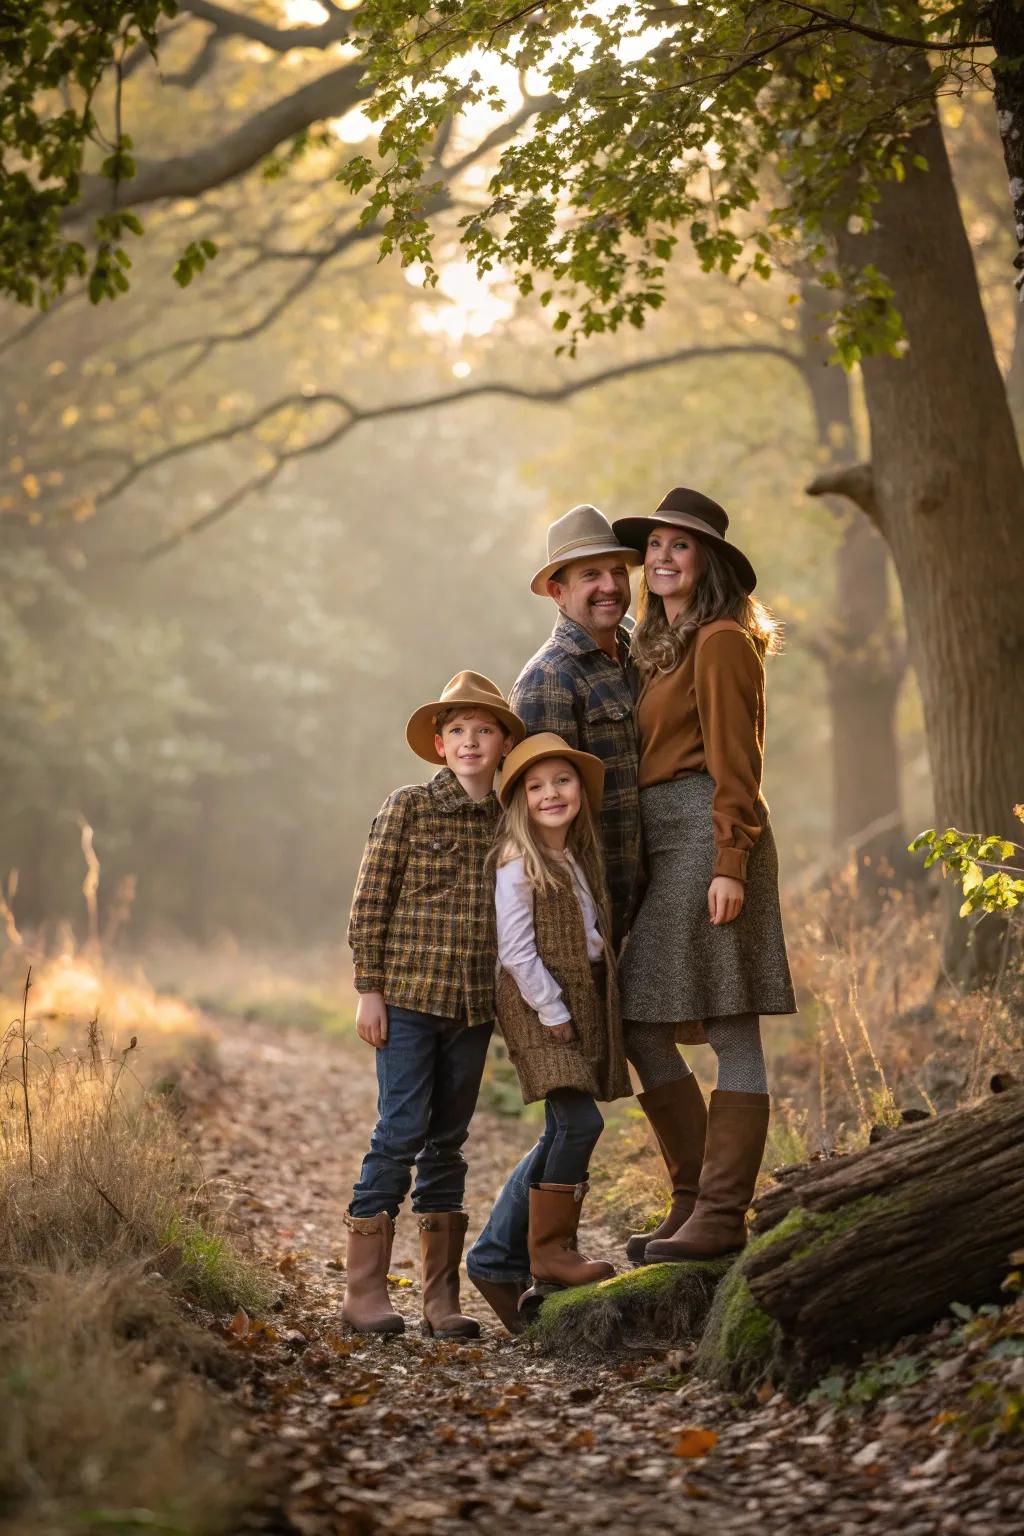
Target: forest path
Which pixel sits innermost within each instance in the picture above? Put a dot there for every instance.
(410, 1435)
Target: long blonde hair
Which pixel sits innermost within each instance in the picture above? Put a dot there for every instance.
(517, 839)
(657, 645)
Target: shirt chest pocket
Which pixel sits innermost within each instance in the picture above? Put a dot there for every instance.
(605, 716)
(432, 866)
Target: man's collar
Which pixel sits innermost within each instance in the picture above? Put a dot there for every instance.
(572, 637)
(448, 794)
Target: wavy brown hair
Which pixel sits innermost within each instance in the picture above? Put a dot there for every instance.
(658, 646)
(544, 871)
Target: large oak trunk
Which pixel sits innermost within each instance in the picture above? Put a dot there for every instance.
(949, 489)
(881, 1242)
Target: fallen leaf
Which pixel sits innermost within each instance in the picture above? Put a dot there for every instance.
(694, 1442)
(239, 1324)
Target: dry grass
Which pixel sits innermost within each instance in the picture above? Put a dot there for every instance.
(103, 1423)
(105, 1223)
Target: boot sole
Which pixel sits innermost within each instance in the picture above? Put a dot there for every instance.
(460, 1336)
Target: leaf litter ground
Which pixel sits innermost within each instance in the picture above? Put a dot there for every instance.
(351, 1435)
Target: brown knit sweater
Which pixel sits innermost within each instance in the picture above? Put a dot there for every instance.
(707, 716)
(594, 1062)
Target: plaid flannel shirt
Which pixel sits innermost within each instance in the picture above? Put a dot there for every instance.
(575, 689)
(422, 921)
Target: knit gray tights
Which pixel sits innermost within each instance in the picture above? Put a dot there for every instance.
(735, 1040)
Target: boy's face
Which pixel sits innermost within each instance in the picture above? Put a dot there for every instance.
(472, 743)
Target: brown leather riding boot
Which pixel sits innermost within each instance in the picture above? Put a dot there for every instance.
(442, 1234)
(367, 1306)
(502, 1296)
(679, 1120)
(737, 1130)
(554, 1218)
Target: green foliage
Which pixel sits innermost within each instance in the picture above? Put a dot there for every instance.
(761, 131)
(857, 1390)
(54, 58)
(967, 856)
(193, 260)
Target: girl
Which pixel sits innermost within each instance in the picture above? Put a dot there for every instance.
(706, 954)
(557, 1006)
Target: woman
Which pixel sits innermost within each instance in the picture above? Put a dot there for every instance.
(706, 956)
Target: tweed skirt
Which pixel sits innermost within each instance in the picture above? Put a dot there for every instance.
(677, 968)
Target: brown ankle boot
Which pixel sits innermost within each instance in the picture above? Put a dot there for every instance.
(502, 1296)
(554, 1218)
(737, 1130)
(679, 1120)
(367, 1306)
(442, 1234)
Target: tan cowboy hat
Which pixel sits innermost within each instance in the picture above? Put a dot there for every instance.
(467, 690)
(547, 744)
(581, 532)
(682, 508)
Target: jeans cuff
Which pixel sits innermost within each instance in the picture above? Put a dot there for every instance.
(498, 1276)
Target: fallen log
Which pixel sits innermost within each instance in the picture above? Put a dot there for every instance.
(845, 1255)
(857, 1252)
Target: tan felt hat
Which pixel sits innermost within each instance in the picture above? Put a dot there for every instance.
(581, 532)
(683, 508)
(547, 744)
(467, 690)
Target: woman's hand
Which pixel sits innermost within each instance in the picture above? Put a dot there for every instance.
(725, 899)
(372, 1019)
(563, 1033)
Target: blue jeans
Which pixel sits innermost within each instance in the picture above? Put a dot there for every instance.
(572, 1125)
(428, 1079)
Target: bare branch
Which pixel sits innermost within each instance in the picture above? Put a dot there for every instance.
(353, 416)
(854, 481)
(332, 95)
(229, 23)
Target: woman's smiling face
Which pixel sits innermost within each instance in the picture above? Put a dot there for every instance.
(674, 562)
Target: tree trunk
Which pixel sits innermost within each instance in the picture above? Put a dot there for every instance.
(860, 653)
(1006, 23)
(872, 1246)
(949, 492)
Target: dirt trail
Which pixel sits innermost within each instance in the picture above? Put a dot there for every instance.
(412, 1435)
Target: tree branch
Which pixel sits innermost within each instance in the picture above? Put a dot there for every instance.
(353, 416)
(231, 23)
(332, 95)
(854, 481)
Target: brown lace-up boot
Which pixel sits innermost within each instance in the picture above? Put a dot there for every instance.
(679, 1120)
(737, 1130)
(554, 1219)
(442, 1234)
(367, 1306)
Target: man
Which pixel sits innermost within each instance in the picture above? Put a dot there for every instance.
(581, 684)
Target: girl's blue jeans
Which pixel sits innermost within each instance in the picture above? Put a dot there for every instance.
(572, 1125)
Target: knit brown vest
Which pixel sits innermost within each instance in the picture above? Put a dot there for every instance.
(595, 1061)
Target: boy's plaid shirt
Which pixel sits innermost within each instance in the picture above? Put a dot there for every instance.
(422, 921)
(575, 689)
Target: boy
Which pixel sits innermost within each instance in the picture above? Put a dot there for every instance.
(423, 942)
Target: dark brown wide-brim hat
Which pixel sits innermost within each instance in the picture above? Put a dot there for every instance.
(683, 508)
(467, 690)
(581, 533)
(547, 744)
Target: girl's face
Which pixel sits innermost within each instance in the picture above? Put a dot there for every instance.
(674, 562)
(553, 794)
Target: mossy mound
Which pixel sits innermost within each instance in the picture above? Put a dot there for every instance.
(658, 1306)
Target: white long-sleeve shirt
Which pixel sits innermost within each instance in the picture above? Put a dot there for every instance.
(517, 938)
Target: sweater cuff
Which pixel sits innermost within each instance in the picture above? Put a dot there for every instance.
(731, 862)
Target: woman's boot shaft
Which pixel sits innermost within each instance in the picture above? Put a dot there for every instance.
(678, 1117)
(737, 1131)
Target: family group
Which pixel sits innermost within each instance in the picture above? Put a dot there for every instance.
(615, 896)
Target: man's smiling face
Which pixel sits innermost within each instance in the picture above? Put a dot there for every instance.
(593, 591)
